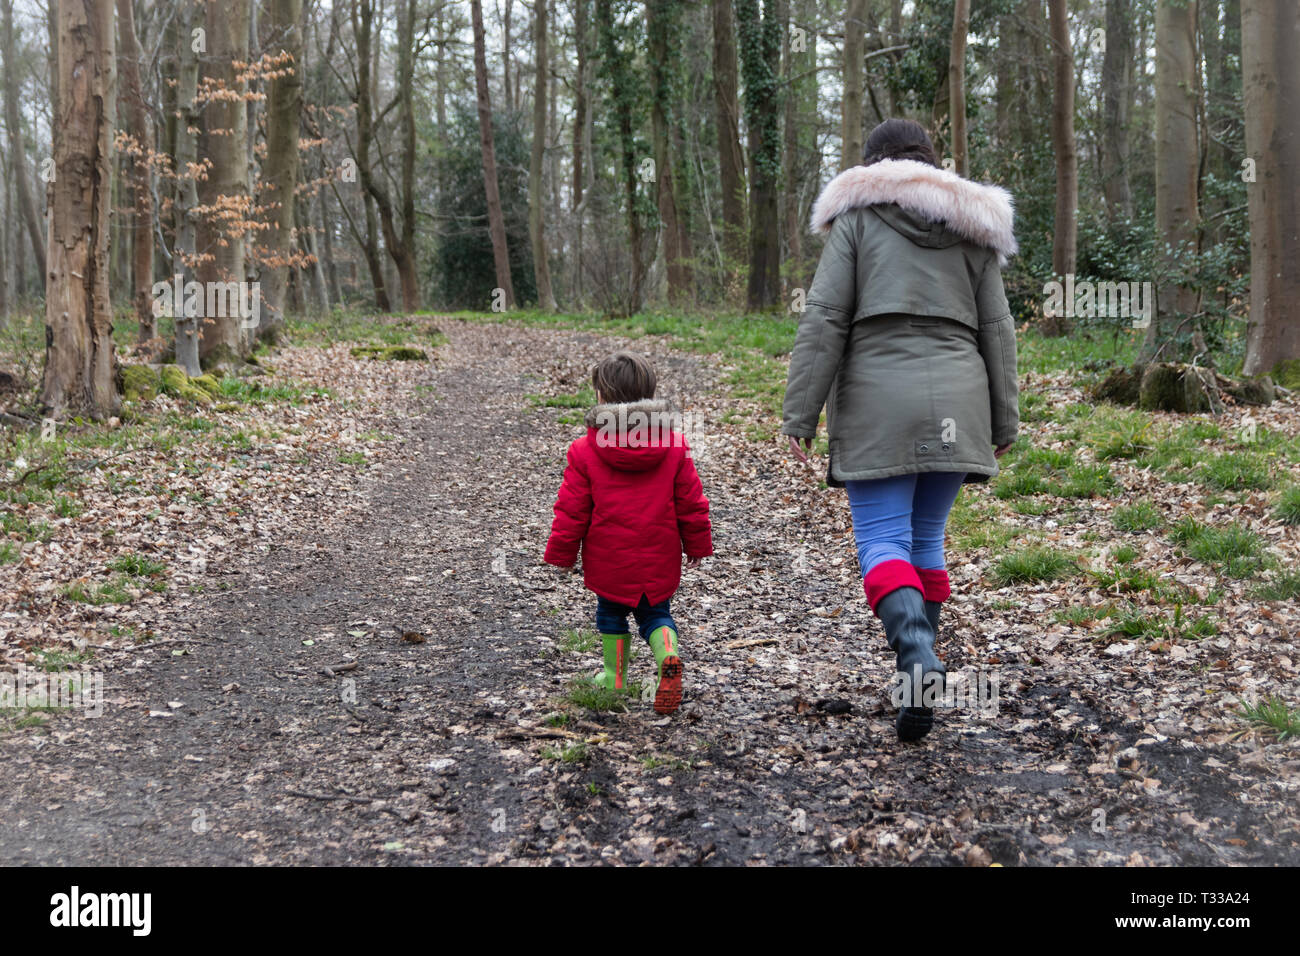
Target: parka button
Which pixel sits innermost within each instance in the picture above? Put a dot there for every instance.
(925, 448)
(947, 447)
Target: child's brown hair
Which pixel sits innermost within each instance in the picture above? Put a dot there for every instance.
(622, 377)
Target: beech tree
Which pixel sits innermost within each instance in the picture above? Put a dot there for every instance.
(496, 222)
(1064, 242)
(536, 199)
(731, 160)
(226, 203)
(80, 362)
(957, 85)
(280, 171)
(1270, 34)
(1177, 165)
(760, 54)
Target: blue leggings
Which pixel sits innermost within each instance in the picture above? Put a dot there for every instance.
(902, 517)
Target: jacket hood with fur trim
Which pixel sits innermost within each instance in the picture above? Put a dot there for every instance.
(634, 436)
(976, 212)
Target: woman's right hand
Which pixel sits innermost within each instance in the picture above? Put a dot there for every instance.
(799, 452)
(1002, 450)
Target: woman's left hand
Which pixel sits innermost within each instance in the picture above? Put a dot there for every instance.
(999, 452)
(799, 452)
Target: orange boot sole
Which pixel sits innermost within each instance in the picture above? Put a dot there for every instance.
(668, 696)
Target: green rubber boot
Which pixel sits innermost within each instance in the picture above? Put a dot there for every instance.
(668, 691)
(618, 651)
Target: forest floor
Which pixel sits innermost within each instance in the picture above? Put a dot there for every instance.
(326, 636)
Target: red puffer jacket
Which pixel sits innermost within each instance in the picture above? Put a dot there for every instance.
(633, 502)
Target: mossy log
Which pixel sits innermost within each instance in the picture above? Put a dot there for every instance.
(1175, 387)
(390, 353)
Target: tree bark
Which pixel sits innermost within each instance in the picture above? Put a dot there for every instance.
(1177, 167)
(401, 247)
(1116, 92)
(186, 197)
(536, 197)
(957, 85)
(731, 161)
(280, 171)
(1270, 37)
(496, 221)
(17, 152)
(224, 193)
(142, 134)
(663, 45)
(851, 135)
(80, 365)
(1065, 227)
(760, 46)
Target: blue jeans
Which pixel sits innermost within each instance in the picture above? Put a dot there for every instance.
(611, 617)
(902, 518)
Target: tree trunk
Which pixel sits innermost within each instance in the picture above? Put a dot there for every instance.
(760, 45)
(1065, 227)
(400, 247)
(851, 135)
(1177, 166)
(581, 120)
(17, 152)
(664, 48)
(80, 365)
(795, 63)
(536, 197)
(280, 171)
(957, 85)
(1270, 37)
(221, 236)
(186, 199)
(496, 221)
(1116, 92)
(142, 135)
(731, 161)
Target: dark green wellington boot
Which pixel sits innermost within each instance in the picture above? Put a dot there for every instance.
(910, 635)
(932, 609)
(617, 651)
(668, 690)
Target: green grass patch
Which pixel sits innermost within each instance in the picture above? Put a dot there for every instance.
(1234, 471)
(1033, 564)
(580, 640)
(1151, 626)
(1287, 509)
(1233, 549)
(591, 696)
(1138, 517)
(1087, 481)
(575, 753)
(1272, 718)
(55, 660)
(1284, 587)
(1120, 434)
(585, 397)
(1083, 614)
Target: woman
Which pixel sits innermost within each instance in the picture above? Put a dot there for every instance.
(908, 342)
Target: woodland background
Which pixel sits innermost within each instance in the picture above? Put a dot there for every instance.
(614, 156)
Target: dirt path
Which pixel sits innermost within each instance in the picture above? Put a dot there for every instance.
(438, 752)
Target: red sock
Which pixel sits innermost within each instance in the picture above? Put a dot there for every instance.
(887, 577)
(934, 583)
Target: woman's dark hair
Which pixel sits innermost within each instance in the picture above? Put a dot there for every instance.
(899, 139)
(625, 376)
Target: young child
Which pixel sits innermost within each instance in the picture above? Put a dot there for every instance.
(632, 500)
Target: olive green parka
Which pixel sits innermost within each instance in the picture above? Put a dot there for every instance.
(906, 337)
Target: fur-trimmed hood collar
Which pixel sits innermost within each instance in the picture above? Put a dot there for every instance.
(980, 213)
(634, 436)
